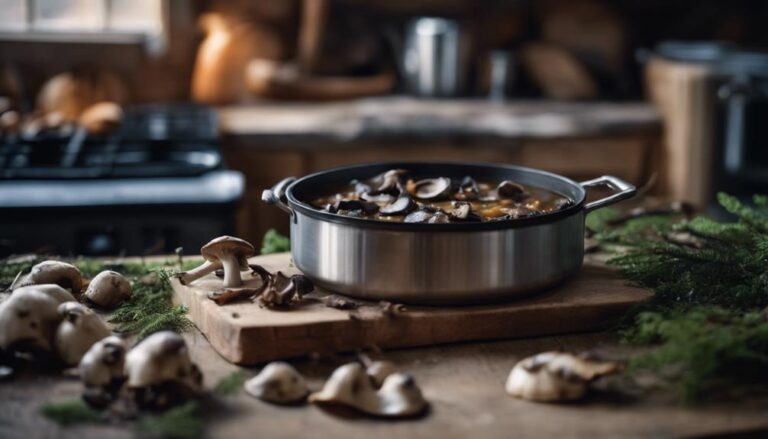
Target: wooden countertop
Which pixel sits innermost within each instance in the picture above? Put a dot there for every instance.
(463, 382)
(404, 117)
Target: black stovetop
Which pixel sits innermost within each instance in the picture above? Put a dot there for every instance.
(153, 141)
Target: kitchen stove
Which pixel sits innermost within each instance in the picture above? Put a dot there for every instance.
(155, 184)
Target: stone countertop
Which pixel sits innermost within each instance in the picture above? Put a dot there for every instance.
(397, 117)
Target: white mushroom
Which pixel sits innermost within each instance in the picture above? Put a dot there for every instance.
(278, 383)
(225, 251)
(378, 371)
(52, 272)
(80, 329)
(350, 386)
(159, 358)
(555, 376)
(103, 363)
(29, 317)
(108, 288)
(101, 371)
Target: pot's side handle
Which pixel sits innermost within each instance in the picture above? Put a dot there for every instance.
(276, 195)
(623, 190)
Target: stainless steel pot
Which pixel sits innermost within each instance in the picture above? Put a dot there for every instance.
(438, 263)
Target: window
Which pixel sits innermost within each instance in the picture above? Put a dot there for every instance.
(107, 21)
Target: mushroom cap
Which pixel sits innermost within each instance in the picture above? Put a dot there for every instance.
(350, 385)
(401, 206)
(378, 371)
(432, 188)
(228, 245)
(30, 316)
(278, 383)
(108, 288)
(103, 362)
(53, 272)
(555, 376)
(79, 330)
(161, 357)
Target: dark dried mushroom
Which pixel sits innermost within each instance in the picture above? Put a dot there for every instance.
(468, 188)
(432, 188)
(511, 190)
(282, 290)
(346, 206)
(403, 205)
(462, 211)
(227, 295)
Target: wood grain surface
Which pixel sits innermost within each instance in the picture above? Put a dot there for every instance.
(244, 333)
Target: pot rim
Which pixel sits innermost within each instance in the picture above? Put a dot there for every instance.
(312, 212)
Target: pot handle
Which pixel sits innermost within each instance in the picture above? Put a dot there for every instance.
(276, 195)
(623, 190)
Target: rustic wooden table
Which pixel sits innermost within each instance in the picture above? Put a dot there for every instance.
(464, 383)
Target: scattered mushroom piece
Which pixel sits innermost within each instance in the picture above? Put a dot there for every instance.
(108, 288)
(555, 376)
(511, 190)
(282, 290)
(80, 329)
(225, 252)
(29, 317)
(462, 211)
(350, 386)
(52, 272)
(278, 383)
(427, 215)
(160, 372)
(227, 295)
(468, 188)
(432, 188)
(402, 206)
(101, 371)
(339, 302)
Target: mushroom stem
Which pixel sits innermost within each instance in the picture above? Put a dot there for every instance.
(198, 272)
(231, 271)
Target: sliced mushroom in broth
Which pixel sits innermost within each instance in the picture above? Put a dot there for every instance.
(395, 196)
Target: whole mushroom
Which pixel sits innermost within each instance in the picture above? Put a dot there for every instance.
(101, 371)
(52, 272)
(108, 288)
(79, 329)
(30, 316)
(555, 376)
(350, 386)
(225, 251)
(278, 383)
(160, 372)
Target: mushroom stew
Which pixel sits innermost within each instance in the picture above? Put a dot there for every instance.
(396, 197)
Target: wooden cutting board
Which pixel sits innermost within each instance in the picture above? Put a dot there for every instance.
(244, 333)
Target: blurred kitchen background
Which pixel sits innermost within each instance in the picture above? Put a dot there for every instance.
(201, 104)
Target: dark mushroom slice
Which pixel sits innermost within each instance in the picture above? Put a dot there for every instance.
(402, 206)
(303, 285)
(468, 188)
(462, 211)
(511, 190)
(432, 188)
(346, 206)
